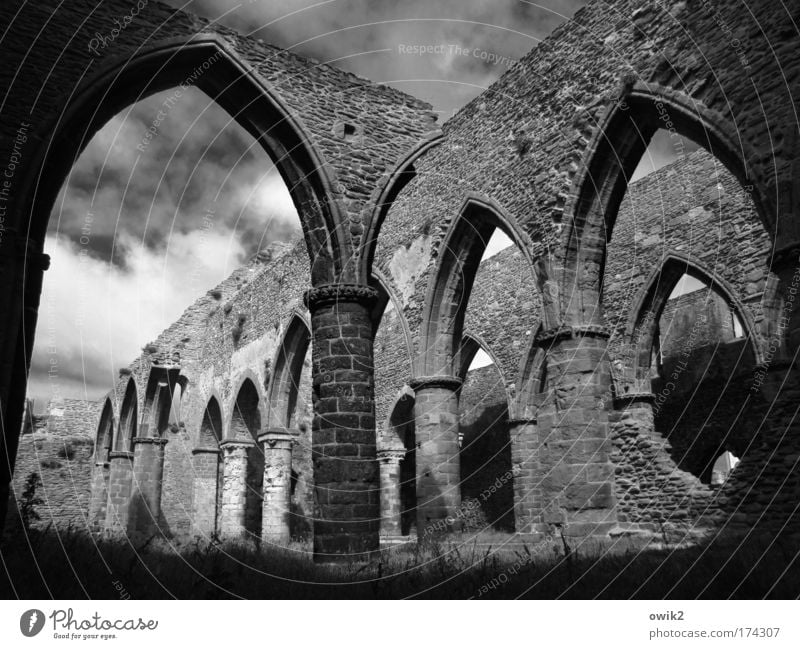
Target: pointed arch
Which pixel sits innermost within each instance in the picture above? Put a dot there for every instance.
(211, 432)
(246, 411)
(105, 432)
(232, 84)
(128, 418)
(649, 305)
(449, 289)
(471, 343)
(609, 163)
(385, 195)
(287, 372)
(531, 379)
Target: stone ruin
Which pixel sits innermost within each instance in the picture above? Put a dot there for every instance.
(324, 391)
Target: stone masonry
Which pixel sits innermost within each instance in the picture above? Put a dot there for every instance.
(584, 435)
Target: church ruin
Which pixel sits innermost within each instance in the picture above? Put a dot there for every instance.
(324, 390)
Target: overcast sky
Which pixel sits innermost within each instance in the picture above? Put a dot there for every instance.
(127, 230)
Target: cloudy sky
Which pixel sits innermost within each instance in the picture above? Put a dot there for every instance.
(129, 243)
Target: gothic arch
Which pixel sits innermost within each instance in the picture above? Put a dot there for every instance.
(246, 411)
(287, 370)
(531, 380)
(233, 85)
(386, 294)
(105, 432)
(643, 318)
(609, 162)
(211, 426)
(127, 426)
(450, 286)
(471, 343)
(386, 193)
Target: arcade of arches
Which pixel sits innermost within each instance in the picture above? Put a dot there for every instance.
(641, 337)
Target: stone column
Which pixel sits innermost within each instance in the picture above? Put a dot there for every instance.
(120, 481)
(22, 268)
(527, 474)
(99, 495)
(277, 444)
(437, 455)
(343, 442)
(391, 504)
(575, 448)
(205, 463)
(148, 476)
(234, 488)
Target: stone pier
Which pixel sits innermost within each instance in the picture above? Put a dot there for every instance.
(438, 461)
(277, 446)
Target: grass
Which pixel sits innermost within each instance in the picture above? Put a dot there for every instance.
(70, 564)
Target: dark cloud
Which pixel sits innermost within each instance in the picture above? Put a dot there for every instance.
(364, 36)
(150, 185)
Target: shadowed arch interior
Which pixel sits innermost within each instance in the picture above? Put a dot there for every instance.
(287, 373)
(245, 426)
(402, 428)
(105, 433)
(643, 327)
(211, 426)
(128, 419)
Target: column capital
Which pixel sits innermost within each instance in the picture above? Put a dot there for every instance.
(207, 449)
(422, 382)
(629, 398)
(234, 444)
(564, 332)
(273, 436)
(155, 441)
(521, 421)
(334, 293)
(391, 454)
(122, 455)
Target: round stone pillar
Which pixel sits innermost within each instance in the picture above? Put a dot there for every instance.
(277, 445)
(148, 476)
(101, 472)
(438, 463)
(234, 488)
(120, 481)
(391, 503)
(205, 464)
(346, 484)
(526, 474)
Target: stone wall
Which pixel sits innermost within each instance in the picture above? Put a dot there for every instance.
(58, 445)
(521, 155)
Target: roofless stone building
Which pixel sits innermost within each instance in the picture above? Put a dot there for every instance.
(612, 403)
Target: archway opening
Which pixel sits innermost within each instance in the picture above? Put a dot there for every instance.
(680, 295)
(485, 442)
(702, 360)
(290, 406)
(211, 470)
(105, 433)
(246, 426)
(128, 419)
(169, 198)
(402, 428)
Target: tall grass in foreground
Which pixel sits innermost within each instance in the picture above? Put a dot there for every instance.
(70, 564)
